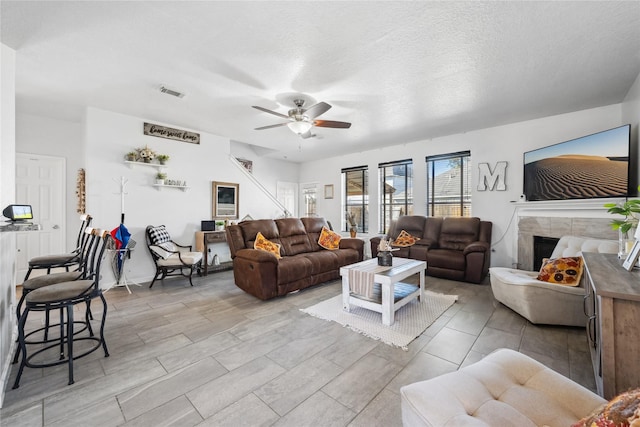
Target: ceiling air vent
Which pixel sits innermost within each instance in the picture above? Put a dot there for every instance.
(171, 92)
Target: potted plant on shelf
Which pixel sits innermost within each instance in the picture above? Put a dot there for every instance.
(162, 158)
(160, 177)
(146, 154)
(626, 227)
(353, 224)
(131, 156)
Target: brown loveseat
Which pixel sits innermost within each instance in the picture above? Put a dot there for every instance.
(304, 263)
(454, 248)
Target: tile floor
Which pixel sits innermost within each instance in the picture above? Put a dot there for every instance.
(213, 355)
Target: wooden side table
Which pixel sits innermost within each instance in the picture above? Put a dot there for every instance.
(203, 238)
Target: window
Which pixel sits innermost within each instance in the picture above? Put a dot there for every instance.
(356, 199)
(449, 184)
(396, 191)
(309, 194)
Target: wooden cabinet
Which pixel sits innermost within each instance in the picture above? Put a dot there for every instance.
(612, 305)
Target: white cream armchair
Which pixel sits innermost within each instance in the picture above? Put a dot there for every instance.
(506, 388)
(542, 302)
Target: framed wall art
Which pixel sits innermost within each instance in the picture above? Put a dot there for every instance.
(328, 191)
(225, 197)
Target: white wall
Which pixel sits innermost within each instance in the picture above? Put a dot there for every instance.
(7, 196)
(503, 143)
(110, 135)
(58, 138)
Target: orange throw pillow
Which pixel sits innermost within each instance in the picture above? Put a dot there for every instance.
(405, 239)
(329, 239)
(622, 410)
(263, 244)
(561, 271)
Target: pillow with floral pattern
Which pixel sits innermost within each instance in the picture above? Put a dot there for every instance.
(263, 244)
(621, 411)
(329, 239)
(561, 271)
(404, 239)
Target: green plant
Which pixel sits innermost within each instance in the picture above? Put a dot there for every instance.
(162, 158)
(628, 209)
(161, 175)
(131, 155)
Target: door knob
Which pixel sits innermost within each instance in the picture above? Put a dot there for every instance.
(55, 227)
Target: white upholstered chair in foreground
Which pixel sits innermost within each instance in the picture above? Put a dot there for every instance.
(506, 388)
(547, 303)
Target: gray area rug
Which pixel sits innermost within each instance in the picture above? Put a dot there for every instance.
(410, 320)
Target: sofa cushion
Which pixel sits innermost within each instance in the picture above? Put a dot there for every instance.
(562, 271)
(328, 239)
(413, 224)
(263, 244)
(321, 261)
(314, 226)
(250, 230)
(293, 236)
(291, 269)
(446, 258)
(457, 233)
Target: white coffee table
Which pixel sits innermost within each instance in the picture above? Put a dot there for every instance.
(392, 294)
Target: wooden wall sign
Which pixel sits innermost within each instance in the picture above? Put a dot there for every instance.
(171, 133)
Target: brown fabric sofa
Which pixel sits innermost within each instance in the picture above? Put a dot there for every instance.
(304, 263)
(457, 248)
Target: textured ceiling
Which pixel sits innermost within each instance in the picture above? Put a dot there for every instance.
(399, 71)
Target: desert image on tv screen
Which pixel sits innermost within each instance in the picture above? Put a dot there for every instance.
(593, 166)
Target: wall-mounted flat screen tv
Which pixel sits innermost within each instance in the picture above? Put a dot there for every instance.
(593, 166)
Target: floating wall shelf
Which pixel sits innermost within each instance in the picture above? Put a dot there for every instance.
(153, 165)
(161, 186)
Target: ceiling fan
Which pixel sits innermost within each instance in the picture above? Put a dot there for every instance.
(301, 120)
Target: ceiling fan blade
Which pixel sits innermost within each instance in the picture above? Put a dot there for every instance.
(270, 112)
(331, 124)
(306, 135)
(272, 126)
(315, 110)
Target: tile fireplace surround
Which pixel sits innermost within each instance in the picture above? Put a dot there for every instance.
(558, 221)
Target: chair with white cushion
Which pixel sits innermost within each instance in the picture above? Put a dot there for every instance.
(506, 388)
(170, 258)
(542, 302)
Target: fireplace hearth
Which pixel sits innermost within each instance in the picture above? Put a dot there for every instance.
(554, 228)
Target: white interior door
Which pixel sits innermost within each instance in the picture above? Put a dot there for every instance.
(287, 194)
(40, 183)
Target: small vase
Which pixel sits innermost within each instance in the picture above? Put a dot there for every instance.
(353, 232)
(385, 258)
(625, 242)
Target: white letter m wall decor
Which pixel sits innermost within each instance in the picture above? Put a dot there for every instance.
(493, 180)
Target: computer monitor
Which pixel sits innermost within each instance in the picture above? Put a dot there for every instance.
(18, 212)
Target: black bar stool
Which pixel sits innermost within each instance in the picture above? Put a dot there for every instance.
(64, 296)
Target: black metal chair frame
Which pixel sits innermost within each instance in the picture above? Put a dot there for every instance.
(64, 260)
(67, 334)
(162, 271)
(89, 244)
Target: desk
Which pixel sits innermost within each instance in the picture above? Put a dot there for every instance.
(203, 238)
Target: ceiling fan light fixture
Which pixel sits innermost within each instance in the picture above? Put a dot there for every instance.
(299, 127)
